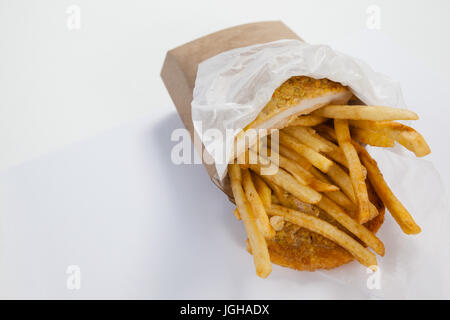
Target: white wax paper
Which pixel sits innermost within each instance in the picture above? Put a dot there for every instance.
(414, 266)
(233, 87)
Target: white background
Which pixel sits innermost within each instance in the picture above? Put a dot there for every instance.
(85, 124)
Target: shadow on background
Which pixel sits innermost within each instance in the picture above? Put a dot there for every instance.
(201, 215)
(191, 181)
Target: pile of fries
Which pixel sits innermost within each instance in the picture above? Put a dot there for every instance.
(322, 163)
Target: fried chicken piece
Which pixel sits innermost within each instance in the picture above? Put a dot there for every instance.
(299, 95)
(304, 250)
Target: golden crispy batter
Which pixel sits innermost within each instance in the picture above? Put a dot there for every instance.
(293, 91)
(301, 249)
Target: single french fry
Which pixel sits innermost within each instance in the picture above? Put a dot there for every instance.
(258, 244)
(263, 190)
(247, 246)
(395, 207)
(316, 159)
(328, 231)
(354, 112)
(322, 186)
(351, 225)
(308, 137)
(290, 184)
(372, 138)
(237, 214)
(406, 136)
(354, 164)
(307, 120)
(262, 220)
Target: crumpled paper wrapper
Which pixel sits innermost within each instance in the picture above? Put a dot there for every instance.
(238, 70)
(414, 266)
(233, 87)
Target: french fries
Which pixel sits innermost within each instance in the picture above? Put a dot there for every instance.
(295, 169)
(258, 244)
(307, 121)
(287, 182)
(323, 186)
(281, 197)
(364, 256)
(294, 156)
(395, 207)
(337, 196)
(372, 138)
(351, 225)
(323, 174)
(263, 190)
(356, 173)
(316, 159)
(275, 199)
(336, 154)
(308, 137)
(376, 113)
(262, 220)
(287, 200)
(327, 131)
(301, 174)
(406, 136)
(342, 179)
(237, 214)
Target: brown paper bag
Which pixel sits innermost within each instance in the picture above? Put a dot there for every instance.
(180, 68)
